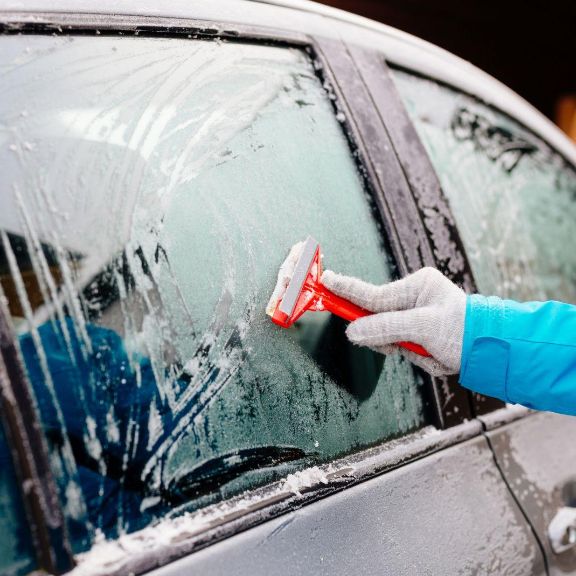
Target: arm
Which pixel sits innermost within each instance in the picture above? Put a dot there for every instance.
(521, 353)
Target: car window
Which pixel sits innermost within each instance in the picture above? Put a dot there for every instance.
(16, 549)
(152, 188)
(513, 197)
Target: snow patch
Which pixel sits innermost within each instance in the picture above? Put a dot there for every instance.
(111, 555)
(430, 431)
(112, 430)
(93, 446)
(305, 479)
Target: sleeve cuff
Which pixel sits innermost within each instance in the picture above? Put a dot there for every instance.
(484, 361)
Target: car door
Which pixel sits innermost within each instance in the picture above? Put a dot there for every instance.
(154, 184)
(512, 196)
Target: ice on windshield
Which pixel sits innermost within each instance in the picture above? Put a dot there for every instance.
(513, 197)
(152, 189)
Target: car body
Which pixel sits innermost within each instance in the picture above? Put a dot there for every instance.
(160, 161)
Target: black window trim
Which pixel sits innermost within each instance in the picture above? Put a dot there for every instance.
(397, 161)
(449, 255)
(386, 177)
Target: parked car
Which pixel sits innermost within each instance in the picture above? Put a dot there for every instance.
(158, 161)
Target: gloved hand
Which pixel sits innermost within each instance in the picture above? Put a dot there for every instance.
(425, 308)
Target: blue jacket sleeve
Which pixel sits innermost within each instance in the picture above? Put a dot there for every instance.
(521, 353)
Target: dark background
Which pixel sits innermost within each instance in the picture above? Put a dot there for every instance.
(529, 45)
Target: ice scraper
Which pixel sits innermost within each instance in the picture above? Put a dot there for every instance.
(299, 289)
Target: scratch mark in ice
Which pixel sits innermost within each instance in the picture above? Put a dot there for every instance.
(45, 279)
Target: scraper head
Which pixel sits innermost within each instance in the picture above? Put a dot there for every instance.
(298, 279)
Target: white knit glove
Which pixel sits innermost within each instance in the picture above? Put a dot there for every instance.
(425, 308)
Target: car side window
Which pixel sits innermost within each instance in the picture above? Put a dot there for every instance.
(16, 548)
(513, 197)
(152, 188)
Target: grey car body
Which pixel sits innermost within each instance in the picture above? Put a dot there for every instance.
(473, 491)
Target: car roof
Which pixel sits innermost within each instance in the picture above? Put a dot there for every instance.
(312, 19)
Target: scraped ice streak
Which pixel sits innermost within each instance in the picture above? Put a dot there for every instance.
(513, 198)
(151, 188)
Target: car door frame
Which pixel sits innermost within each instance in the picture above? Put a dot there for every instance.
(373, 142)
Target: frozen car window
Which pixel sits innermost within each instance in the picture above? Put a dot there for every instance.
(152, 187)
(513, 197)
(16, 550)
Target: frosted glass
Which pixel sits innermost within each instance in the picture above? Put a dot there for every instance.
(153, 188)
(513, 197)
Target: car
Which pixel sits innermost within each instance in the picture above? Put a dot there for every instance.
(158, 161)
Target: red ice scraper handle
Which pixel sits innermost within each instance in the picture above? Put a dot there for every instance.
(349, 311)
(306, 292)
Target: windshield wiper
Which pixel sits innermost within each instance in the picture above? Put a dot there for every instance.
(210, 476)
